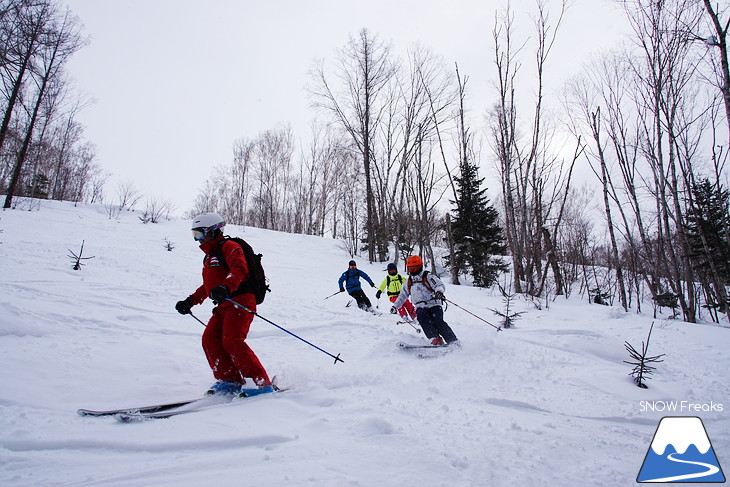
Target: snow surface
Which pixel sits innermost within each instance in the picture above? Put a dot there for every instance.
(548, 403)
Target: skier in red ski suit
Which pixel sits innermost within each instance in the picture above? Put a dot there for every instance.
(224, 338)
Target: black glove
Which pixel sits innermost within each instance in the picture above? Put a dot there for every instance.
(377, 295)
(372, 285)
(342, 289)
(439, 295)
(393, 310)
(183, 307)
(219, 294)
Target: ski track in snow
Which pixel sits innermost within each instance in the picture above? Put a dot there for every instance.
(81, 445)
(548, 402)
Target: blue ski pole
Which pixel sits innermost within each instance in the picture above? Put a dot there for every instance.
(237, 305)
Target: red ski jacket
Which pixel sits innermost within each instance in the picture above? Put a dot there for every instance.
(216, 273)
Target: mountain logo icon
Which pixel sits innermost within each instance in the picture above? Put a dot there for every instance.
(681, 452)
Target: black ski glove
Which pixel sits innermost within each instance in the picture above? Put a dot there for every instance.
(393, 310)
(342, 289)
(372, 285)
(219, 294)
(183, 307)
(439, 295)
(377, 295)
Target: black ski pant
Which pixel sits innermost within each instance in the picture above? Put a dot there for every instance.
(362, 300)
(433, 324)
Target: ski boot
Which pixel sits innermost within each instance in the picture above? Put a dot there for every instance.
(257, 391)
(225, 388)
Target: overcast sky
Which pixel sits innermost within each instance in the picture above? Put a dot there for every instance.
(175, 82)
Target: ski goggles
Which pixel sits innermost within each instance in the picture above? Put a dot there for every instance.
(198, 234)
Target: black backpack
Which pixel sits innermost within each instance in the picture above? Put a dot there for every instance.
(257, 284)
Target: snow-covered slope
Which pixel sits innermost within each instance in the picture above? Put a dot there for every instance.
(547, 403)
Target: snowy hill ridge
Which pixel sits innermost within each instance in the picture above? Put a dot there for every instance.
(547, 403)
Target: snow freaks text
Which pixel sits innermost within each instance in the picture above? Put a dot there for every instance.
(685, 407)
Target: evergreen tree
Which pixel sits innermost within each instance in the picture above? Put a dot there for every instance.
(478, 238)
(708, 231)
(39, 187)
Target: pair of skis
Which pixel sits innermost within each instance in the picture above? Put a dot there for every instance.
(166, 410)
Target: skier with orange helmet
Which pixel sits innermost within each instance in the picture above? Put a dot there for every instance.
(426, 292)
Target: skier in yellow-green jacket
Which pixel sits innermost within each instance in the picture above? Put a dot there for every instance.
(393, 283)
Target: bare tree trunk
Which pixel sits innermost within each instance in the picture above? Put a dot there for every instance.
(59, 45)
(525, 171)
(366, 69)
(31, 21)
(596, 125)
(452, 250)
(721, 44)
(504, 134)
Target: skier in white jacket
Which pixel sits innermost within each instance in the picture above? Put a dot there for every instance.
(427, 293)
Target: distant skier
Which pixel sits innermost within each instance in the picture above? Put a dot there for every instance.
(426, 291)
(392, 284)
(351, 279)
(224, 338)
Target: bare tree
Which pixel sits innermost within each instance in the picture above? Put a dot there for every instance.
(58, 43)
(207, 200)
(323, 172)
(365, 69)
(127, 196)
(156, 209)
(532, 177)
(720, 41)
(647, 117)
(425, 190)
(88, 178)
(665, 72)
(257, 187)
(65, 135)
(24, 24)
(271, 174)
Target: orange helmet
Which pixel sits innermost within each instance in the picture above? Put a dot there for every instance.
(414, 265)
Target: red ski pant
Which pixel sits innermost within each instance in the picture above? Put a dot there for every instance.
(406, 309)
(224, 343)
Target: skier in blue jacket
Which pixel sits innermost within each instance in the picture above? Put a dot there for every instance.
(351, 279)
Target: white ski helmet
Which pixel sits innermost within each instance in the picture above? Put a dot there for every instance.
(205, 224)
